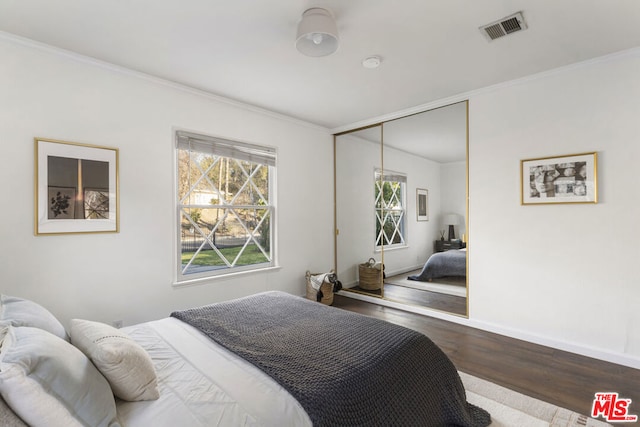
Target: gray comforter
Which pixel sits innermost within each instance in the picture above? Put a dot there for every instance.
(443, 264)
(344, 368)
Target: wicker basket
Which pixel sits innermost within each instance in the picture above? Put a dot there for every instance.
(370, 277)
(326, 289)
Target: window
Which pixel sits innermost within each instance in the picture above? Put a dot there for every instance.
(390, 208)
(225, 206)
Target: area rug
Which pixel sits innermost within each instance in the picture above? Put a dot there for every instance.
(512, 409)
(453, 287)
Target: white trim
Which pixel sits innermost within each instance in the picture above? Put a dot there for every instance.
(571, 347)
(208, 279)
(153, 79)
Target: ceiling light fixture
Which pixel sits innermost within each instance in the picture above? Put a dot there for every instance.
(317, 33)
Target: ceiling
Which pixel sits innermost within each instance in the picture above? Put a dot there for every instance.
(244, 49)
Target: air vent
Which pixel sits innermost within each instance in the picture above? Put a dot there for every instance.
(504, 26)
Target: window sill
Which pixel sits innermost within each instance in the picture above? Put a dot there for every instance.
(209, 279)
(395, 248)
(392, 248)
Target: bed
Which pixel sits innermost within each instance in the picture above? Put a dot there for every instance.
(451, 263)
(270, 359)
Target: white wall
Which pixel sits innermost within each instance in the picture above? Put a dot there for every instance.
(566, 274)
(129, 275)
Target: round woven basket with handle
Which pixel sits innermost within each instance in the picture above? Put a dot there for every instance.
(370, 277)
(326, 290)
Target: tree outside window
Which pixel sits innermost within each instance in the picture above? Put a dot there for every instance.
(225, 206)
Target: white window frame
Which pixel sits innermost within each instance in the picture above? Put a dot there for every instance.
(254, 153)
(400, 228)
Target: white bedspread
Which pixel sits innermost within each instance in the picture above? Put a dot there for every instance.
(203, 384)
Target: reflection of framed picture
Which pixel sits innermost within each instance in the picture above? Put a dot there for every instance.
(422, 204)
(562, 179)
(61, 203)
(76, 188)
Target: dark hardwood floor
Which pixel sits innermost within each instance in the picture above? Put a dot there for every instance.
(561, 378)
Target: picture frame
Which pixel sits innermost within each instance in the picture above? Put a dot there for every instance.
(422, 204)
(559, 179)
(76, 188)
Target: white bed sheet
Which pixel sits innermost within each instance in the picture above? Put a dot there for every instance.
(203, 384)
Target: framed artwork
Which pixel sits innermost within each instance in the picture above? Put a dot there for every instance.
(422, 204)
(76, 188)
(561, 179)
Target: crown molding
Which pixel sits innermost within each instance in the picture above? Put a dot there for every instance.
(633, 52)
(153, 79)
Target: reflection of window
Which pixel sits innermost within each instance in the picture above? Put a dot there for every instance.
(225, 205)
(390, 206)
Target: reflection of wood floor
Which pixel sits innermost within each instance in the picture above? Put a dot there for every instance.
(366, 291)
(422, 298)
(435, 300)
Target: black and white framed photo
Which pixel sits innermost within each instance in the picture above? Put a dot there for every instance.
(76, 188)
(422, 204)
(560, 179)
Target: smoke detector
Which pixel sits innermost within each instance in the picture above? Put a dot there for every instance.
(505, 26)
(371, 62)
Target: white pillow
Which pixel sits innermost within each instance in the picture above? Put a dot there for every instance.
(48, 382)
(21, 312)
(122, 361)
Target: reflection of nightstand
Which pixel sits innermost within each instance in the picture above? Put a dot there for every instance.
(446, 245)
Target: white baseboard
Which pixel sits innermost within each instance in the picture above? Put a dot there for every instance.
(595, 353)
(571, 347)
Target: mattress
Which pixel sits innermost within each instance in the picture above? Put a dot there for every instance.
(342, 367)
(203, 384)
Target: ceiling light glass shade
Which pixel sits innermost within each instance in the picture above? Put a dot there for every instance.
(317, 33)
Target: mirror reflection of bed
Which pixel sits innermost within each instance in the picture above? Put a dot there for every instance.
(440, 284)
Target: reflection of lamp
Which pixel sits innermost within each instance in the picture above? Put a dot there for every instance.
(317, 33)
(451, 220)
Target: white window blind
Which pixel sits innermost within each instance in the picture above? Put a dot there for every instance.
(224, 148)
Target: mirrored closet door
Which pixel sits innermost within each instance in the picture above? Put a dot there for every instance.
(401, 200)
